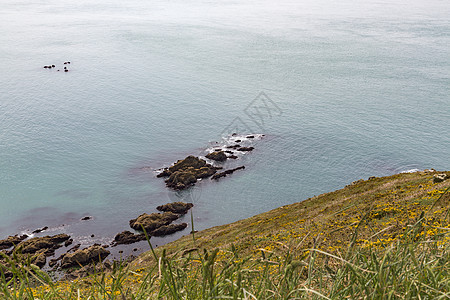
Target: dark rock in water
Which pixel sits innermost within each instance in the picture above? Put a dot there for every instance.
(152, 221)
(185, 172)
(217, 156)
(86, 218)
(245, 149)
(233, 157)
(95, 253)
(66, 70)
(371, 178)
(127, 237)
(238, 141)
(68, 242)
(180, 208)
(92, 235)
(53, 66)
(45, 67)
(40, 230)
(250, 136)
(234, 146)
(227, 172)
(440, 177)
(47, 243)
(168, 229)
(11, 241)
(228, 151)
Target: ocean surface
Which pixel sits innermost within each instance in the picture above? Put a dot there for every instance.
(342, 90)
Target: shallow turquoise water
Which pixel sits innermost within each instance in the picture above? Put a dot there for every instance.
(363, 90)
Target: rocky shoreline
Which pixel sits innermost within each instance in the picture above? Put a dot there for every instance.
(52, 252)
(76, 262)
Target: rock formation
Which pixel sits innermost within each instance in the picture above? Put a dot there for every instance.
(180, 208)
(95, 253)
(185, 173)
(152, 221)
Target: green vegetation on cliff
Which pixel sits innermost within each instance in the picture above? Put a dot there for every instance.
(383, 238)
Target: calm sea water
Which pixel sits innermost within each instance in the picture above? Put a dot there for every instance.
(357, 90)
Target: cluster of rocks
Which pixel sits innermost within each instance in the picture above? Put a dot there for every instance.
(185, 173)
(155, 224)
(53, 66)
(36, 250)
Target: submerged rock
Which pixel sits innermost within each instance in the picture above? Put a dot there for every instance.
(95, 253)
(227, 172)
(217, 156)
(180, 208)
(152, 221)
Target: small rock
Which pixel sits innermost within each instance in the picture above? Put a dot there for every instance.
(217, 156)
(440, 177)
(245, 149)
(68, 242)
(86, 218)
(40, 230)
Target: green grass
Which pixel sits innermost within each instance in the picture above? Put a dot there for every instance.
(386, 238)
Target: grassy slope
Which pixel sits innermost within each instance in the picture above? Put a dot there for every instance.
(384, 206)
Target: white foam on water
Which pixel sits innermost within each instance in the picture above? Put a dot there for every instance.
(411, 171)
